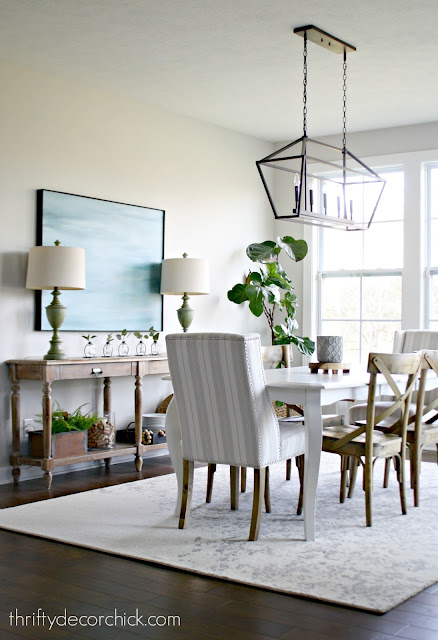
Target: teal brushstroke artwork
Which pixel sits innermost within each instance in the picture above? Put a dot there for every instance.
(124, 247)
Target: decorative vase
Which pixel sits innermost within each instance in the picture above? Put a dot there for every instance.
(329, 348)
(123, 348)
(154, 348)
(141, 348)
(89, 350)
(107, 349)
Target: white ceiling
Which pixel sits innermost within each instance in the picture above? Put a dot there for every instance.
(237, 63)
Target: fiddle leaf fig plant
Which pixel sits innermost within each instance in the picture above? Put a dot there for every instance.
(270, 288)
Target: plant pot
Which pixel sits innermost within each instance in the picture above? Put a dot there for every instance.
(70, 443)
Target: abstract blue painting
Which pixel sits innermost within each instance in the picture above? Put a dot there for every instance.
(124, 246)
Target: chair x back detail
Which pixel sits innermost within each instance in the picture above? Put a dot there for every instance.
(225, 413)
(422, 430)
(364, 443)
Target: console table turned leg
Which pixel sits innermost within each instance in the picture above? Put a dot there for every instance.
(107, 397)
(15, 414)
(47, 432)
(47, 479)
(138, 420)
(16, 471)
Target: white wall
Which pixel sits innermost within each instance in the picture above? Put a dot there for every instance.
(61, 135)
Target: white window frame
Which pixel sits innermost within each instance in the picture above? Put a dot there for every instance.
(414, 280)
(430, 270)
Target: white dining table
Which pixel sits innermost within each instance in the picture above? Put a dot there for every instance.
(295, 385)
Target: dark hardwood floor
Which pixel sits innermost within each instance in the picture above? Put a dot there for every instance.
(39, 574)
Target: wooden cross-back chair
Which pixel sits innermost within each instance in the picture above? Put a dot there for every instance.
(365, 443)
(421, 430)
(407, 341)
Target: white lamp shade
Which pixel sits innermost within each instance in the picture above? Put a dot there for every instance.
(57, 266)
(185, 275)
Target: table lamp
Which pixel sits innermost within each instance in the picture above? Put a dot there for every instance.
(56, 268)
(186, 276)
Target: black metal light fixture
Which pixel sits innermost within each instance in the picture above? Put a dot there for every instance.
(315, 183)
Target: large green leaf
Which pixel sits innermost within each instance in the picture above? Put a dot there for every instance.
(279, 282)
(263, 251)
(254, 276)
(238, 293)
(256, 301)
(295, 249)
(271, 293)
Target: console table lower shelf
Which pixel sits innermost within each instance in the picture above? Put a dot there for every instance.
(49, 371)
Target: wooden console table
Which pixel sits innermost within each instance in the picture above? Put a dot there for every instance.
(49, 371)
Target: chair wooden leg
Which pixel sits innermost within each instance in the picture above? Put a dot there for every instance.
(288, 469)
(234, 488)
(415, 478)
(299, 461)
(267, 492)
(243, 479)
(354, 464)
(399, 465)
(386, 474)
(210, 479)
(344, 477)
(259, 491)
(368, 484)
(186, 501)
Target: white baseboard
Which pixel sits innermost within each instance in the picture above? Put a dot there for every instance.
(30, 472)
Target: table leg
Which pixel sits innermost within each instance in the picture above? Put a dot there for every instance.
(107, 397)
(313, 421)
(47, 431)
(138, 420)
(173, 437)
(15, 414)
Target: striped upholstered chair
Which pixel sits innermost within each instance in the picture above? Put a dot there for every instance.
(225, 413)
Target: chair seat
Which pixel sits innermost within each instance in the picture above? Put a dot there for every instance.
(429, 432)
(358, 413)
(292, 439)
(384, 444)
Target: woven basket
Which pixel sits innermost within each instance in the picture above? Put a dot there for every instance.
(162, 407)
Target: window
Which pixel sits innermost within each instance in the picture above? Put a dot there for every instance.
(360, 277)
(432, 244)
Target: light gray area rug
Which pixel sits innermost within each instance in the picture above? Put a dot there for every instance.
(370, 568)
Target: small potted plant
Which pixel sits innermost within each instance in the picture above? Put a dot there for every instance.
(123, 346)
(89, 349)
(141, 347)
(69, 433)
(154, 346)
(108, 347)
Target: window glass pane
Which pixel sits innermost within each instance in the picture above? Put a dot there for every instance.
(434, 192)
(340, 298)
(378, 336)
(433, 243)
(383, 245)
(381, 297)
(392, 201)
(350, 331)
(341, 249)
(434, 297)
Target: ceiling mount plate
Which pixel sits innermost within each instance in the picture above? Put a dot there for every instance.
(324, 39)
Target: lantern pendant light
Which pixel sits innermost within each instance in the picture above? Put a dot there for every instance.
(316, 183)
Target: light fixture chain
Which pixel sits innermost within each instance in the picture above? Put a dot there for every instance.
(305, 86)
(344, 108)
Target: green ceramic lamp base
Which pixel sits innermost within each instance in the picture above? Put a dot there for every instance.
(55, 315)
(185, 313)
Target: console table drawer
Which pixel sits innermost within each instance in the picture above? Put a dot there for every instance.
(95, 370)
